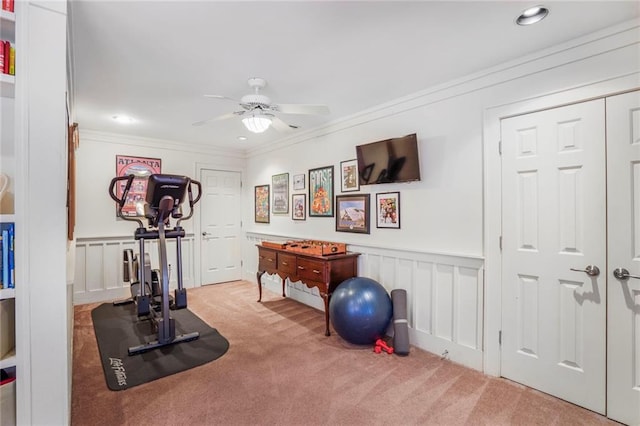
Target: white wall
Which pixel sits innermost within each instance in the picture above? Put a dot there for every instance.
(443, 212)
(96, 166)
(100, 235)
(440, 213)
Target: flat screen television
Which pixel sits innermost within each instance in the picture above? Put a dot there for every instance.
(389, 161)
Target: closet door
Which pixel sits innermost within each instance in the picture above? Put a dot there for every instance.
(553, 239)
(623, 209)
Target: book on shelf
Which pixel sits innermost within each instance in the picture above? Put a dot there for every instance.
(12, 257)
(12, 60)
(8, 5)
(2, 250)
(8, 254)
(7, 53)
(5, 259)
(7, 58)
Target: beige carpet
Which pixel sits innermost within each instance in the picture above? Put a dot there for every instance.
(282, 370)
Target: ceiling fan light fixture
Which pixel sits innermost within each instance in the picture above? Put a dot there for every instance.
(256, 123)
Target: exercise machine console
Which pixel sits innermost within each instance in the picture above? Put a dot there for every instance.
(150, 288)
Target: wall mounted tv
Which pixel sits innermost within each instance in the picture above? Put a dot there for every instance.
(389, 161)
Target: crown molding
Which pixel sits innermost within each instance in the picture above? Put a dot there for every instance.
(120, 139)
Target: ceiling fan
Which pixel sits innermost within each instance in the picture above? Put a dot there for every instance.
(259, 113)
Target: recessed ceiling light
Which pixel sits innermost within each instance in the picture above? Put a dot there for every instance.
(242, 138)
(123, 119)
(532, 15)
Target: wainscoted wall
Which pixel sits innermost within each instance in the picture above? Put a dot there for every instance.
(444, 294)
(98, 271)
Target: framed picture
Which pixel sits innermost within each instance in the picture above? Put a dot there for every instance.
(72, 146)
(321, 192)
(298, 182)
(299, 207)
(349, 175)
(388, 210)
(261, 197)
(352, 213)
(141, 168)
(280, 188)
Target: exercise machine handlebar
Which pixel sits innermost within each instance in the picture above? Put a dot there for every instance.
(192, 202)
(112, 187)
(125, 193)
(156, 213)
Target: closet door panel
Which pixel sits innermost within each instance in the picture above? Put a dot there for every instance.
(553, 234)
(623, 210)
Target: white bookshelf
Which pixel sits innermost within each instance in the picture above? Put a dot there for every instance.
(7, 218)
(8, 29)
(7, 84)
(9, 361)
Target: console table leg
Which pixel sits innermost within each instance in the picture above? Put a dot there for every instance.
(259, 275)
(326, 314)
(284, 280)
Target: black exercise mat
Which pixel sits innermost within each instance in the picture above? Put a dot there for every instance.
(117, 328)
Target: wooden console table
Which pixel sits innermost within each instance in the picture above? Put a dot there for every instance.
(323, 272)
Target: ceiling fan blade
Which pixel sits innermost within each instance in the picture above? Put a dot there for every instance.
(226, 98)
(219, 118)
(281, 126)
(302, 109)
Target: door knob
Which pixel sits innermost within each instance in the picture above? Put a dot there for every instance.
(623, 275)
(204, 234)
(591, 270)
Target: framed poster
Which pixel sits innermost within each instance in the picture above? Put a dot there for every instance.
(321, 192)
(349, 175)
(388, 210)
(72, 145)
(299, 207)
(280, 188)
(261, 197)
(352, 213)
(141, 168)
(298, 182)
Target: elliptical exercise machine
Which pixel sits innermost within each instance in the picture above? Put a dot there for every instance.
(150, 288)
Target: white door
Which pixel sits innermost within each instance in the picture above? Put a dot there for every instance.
(553, 212)
(623, 201)
(220, 226)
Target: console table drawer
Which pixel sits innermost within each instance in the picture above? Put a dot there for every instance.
(287, 263)
(267, 259)
(311, 269)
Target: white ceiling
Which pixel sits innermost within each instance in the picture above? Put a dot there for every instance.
(154, 60)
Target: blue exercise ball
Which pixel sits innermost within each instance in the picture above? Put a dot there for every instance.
(360, 310)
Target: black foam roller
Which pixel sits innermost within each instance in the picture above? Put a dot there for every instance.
(400, 322)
